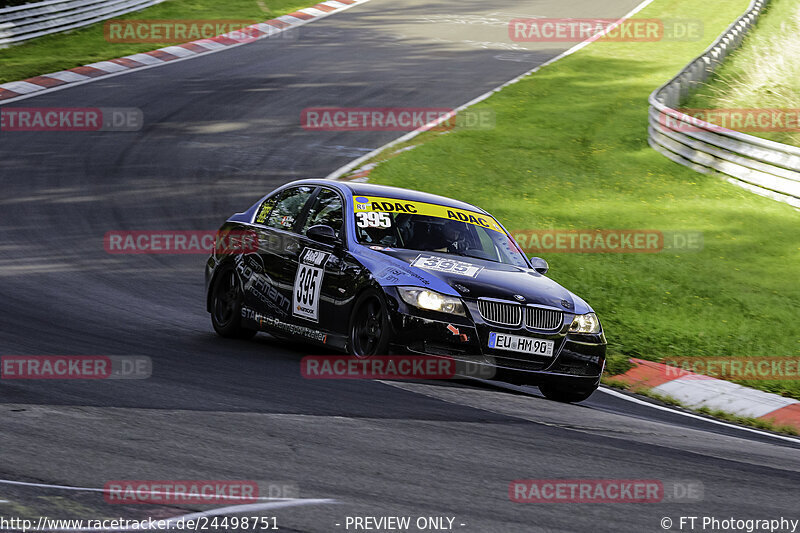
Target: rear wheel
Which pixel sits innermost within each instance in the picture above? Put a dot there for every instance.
(560, 394)
(226, 306)
(369, 325)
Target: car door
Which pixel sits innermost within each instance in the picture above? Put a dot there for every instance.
(320, 283)
(268, 276)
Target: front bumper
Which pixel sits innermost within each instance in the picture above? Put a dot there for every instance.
(578, 360)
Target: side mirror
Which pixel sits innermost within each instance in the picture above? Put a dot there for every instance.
(539, 265)
(322, 233)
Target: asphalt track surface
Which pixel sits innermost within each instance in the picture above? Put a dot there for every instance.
(219, 132)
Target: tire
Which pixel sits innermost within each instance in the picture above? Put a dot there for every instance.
(370, 329)
(560, 394)
(226, 306)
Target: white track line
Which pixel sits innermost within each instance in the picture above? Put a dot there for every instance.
(410, 135)
(525, 389)
(633, 399)
(639, 401)
(204, 54)
(92, 489)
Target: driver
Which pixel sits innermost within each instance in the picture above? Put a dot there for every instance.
(455, 236)
(435, 234)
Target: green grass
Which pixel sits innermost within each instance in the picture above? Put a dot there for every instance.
(88, 45)
(617, 364)
(570, 151)
(764, 72)
(759, 423)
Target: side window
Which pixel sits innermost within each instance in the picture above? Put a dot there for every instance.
(328, 210)
(266, 207)
(288, 207)
(488, 245)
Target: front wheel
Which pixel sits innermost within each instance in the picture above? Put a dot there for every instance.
(369, 325)
(226, 306)
(560, 394)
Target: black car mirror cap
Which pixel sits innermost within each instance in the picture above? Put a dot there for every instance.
(539, 265)
(322, 233)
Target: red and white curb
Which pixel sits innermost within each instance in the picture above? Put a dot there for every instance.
(18, 90)
(696, 391)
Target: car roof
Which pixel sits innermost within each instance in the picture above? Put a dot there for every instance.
(371, 189)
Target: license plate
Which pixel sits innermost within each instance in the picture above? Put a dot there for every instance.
(518, 343)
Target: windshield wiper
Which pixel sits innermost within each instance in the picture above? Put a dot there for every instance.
(466, 253)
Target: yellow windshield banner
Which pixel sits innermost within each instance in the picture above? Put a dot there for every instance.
(366, 204)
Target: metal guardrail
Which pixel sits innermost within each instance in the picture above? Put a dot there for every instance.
(765, 167)
(29, 21)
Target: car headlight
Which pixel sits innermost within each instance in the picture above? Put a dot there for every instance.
(587, 323)
(432, 300)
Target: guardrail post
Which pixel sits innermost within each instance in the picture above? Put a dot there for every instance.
(764, 167)
(28, 21)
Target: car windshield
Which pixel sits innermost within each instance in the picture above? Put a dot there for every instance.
(479, 237)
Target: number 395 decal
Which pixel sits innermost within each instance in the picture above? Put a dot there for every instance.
(374, 219)
(307, 284)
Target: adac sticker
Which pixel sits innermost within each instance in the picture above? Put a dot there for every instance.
(364, 204)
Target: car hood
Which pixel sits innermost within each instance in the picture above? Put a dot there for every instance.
(493, 280)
